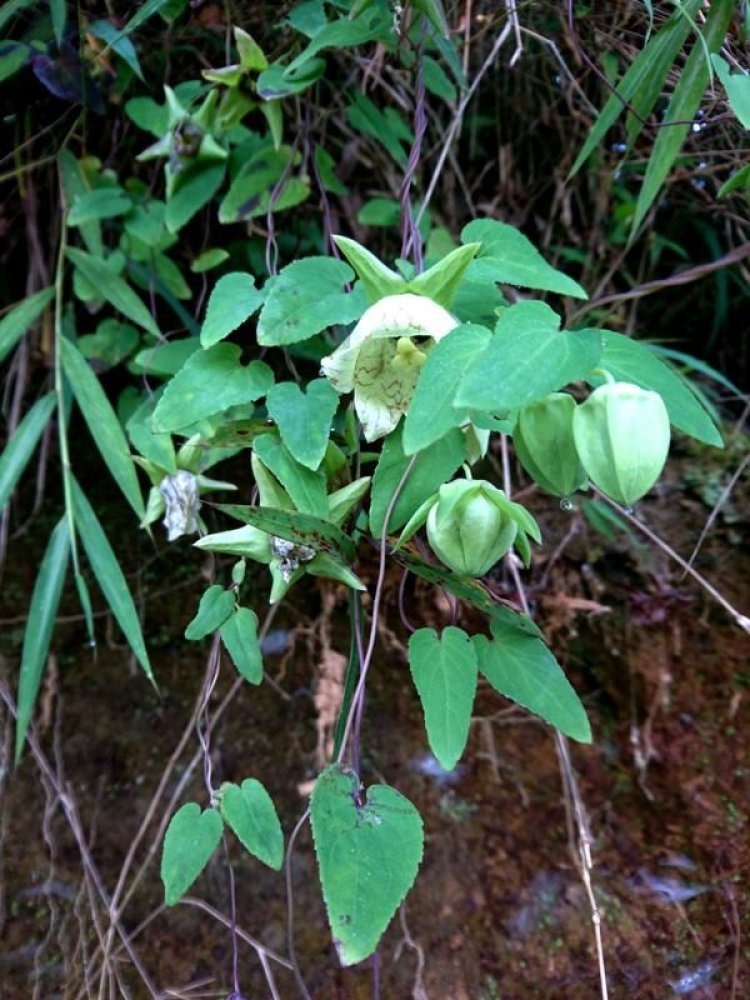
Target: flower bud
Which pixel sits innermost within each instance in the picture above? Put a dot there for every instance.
(622, 438)
(468, 529)
(543, 439)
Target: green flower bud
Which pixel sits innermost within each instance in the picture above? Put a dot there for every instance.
(543, 438)
(471, 524)
(622, 437)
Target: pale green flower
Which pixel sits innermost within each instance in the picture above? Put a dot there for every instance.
(380, 360)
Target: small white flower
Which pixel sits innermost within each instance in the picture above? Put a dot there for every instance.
(180, 493)
(381, 358)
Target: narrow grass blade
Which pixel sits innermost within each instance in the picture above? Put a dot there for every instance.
(102, 423)
(20, 448)
(685, 101)
(109, 575)
(42, 613)
(16, 322)
(642, 83)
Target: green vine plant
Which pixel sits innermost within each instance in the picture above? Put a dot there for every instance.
(418, 368)
(415, 392)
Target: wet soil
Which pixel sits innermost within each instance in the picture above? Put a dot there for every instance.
(499, 909)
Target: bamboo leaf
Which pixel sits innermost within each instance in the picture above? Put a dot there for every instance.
(643, 82)
(682, 107)
(42, 613)
(109, 576)
(23, 315)
(102, 423)
(20, 448)
(112, 288)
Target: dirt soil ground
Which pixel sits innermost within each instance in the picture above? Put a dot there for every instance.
(499, 909)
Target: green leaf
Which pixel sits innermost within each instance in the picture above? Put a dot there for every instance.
(630, 361)
(210, 382)
(436, 80)
(250, 190)
(444, 669)
(739, 179)
(302, 529)
(528, 357)
(112, 288)
(45, 600)
(326, 165)
(328, 566)
(239, 633)
(102, 423)
(12, 59)
(10, 8)
(304, 418)
(17, 452)
(216, 605)
(112, 343)
(435, 13)
(682, 107)
(431, 414)
(384, 212)
(467, 589)
(76, 181)
(369, 851)
(275, 82)
(20, 317)
(306, 488)
(197, 186)
(377, 279)
(59, 16)
(508, 257)
(306, 297)
(233, 301)
(523, 669)
(342, 501)
(208, 260)
(737, 86)
(164, 359)
(157, 448)
(109, 576)
(387, 127)
(122, 46)
(433, 467)
(643, 82)
(342, 34)
(441, 281)
(101, 203)
(191, 838)
(250, 812)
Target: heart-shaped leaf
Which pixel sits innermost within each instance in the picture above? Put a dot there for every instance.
(523, 669)
(250, 812)
(210, 381)
(306, 297)
(216, 605)
(528, 357)
(233, 300)
(239, 633)
(368, 852)
(189, 842)
(509, 257)
(444, 669)
(304, 418)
